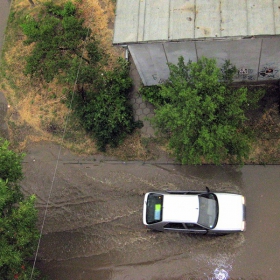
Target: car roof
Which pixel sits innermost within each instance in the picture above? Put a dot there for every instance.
(180, 208)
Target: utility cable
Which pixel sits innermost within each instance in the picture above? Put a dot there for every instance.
(58, 157)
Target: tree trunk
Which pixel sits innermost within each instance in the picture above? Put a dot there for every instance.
(32, 3)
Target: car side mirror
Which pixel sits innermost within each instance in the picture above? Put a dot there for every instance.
(207, 189)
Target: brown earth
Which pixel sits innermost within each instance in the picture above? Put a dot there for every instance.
(37, 111)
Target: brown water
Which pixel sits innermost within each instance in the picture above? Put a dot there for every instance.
(94, 228)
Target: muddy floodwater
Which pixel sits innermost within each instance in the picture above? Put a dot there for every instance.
(93, 228)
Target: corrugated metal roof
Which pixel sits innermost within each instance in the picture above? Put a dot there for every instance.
(172, 20)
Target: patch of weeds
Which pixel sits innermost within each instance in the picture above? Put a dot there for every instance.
(53, 128)
(54, 112)
(12, 84)
(12, 16)
(18, 133)
(53, 96)
(145, 141)
(252, 160)
(12, 124)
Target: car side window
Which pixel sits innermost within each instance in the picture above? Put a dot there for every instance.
(174, 225)
(194, 226)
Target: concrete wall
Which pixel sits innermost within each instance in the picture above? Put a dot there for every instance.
(258, 59)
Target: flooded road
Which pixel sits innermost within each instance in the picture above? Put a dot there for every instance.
(94, 230)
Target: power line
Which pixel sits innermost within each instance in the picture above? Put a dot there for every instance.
(58, 157)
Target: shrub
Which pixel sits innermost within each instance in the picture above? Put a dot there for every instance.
(104, 111)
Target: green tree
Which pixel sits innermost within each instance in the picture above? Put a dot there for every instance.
(10, 163)
(64, 48)
(18, 232)
(201, 113)
(104, 109)
(58, 35)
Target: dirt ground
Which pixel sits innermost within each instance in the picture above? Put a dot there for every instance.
(37, 109)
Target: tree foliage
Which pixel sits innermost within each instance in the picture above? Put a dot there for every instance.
(65, 49)
(58, 35)
(202, 114)
(10, 163)
(105, 112)
(18, 233)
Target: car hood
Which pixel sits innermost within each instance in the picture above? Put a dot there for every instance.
(231, 210)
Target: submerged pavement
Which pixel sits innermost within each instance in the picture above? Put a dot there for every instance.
(93, 228)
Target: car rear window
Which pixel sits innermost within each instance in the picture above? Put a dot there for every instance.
(208, 210)
(154, 208)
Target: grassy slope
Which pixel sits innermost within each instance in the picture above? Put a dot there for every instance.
(37, 111)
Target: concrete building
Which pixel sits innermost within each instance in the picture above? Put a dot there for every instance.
(246, 32)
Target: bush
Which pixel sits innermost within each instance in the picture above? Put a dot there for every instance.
(61, 51)
(151, 94)
(104, 110)
(18, 232)
(201, 113)
(10, 163)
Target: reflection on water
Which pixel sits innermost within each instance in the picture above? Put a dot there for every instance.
(223, 265)
(221, 274)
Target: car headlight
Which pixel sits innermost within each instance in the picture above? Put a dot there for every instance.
(243, 200)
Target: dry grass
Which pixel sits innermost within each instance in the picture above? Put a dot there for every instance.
(138, 147)
(36, 111)
(267, 148)
(265, 152)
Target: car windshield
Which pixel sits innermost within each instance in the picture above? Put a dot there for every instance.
(208, 210)
(154, 208)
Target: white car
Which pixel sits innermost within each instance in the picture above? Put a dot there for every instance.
(194, 212)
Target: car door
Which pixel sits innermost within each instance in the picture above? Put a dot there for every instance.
(195, 228)
(175, 227)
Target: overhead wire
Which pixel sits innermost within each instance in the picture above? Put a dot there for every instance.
(57, 161)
